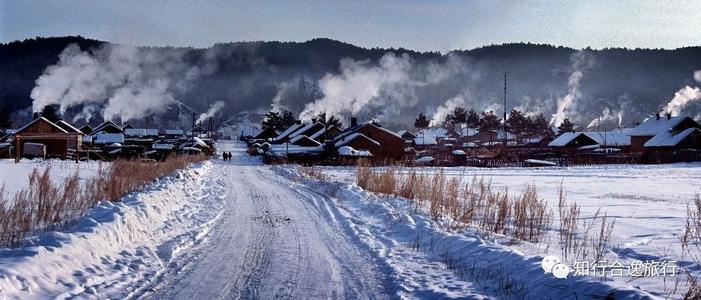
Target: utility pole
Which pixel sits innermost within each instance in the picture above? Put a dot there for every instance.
(192, 132)
(504, 125)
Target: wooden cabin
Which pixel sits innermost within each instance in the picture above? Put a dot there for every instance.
(58, 142)
(652, 127)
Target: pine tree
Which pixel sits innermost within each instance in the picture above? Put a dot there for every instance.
(287, 119)
(272, 120)
(421, 122)
(49, 112)
(473, 119)
(489, 124)
(331, 121)
(449, 122)
(566, 126)
(542, 127)
(459, 117)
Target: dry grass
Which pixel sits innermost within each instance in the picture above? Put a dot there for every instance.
(473, 204)
(476, 204)
(46, 205)
(312, 172)
(691, 246)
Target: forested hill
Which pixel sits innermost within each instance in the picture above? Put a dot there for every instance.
(251, 75)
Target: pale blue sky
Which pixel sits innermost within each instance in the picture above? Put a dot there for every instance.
(419, 25)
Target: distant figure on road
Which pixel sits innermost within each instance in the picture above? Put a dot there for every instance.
(225, 156)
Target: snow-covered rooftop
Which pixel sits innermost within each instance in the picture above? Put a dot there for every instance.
(174, 132)
(667, 139)
(140, 132)
(347, 139)
(430, 136)
(612, 138)
(108, 138)
(652, 126)
(288, 131)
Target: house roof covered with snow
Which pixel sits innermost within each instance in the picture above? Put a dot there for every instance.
(349, 138)
(68, 127)
(140, 132)
(668, 139)
(108, 127)
(41, 119)
(652, 126)
(610, 138)
(174, 132)
(287, 132)
(108, 138)
(430, 136)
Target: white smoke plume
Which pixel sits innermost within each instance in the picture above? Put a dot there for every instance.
(566, 105)
(381, 89)
(282, 91)
(123, 81)
(607, 115)
(683, 97)
(213, 109)
(446, 108)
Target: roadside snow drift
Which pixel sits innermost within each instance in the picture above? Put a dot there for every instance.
(118, 246)
(429, 262)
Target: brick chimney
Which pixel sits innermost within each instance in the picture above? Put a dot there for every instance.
(657, 116)
(354, 121)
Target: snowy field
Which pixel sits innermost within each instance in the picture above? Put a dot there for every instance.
(15, 176)
(242, 229)
(647, 202)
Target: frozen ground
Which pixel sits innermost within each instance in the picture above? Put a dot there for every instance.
(648, 203)
(241, 229)
(15, 176)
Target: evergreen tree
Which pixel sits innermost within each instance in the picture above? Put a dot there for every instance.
(448, 122)
(272, 120)
(489, 124)
(5, 119)
(287, 119)
(542, 126)
(331, 121)
(566, 126)
(459, 117)
(49, 112)
(473, 119)
(516, 123)
(421, 122)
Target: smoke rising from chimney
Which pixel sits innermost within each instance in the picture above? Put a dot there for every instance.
(566, 105)
(381, 89)
(683, 97)
(213, 109)
(119, 81)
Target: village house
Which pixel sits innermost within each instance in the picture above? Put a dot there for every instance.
(107, 127)
(46, 139)
(86, 129)
(652, 127)
(571, 142)
(265, 134)
(382, 143)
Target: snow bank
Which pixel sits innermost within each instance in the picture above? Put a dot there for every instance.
(419, 250)
(117, 247)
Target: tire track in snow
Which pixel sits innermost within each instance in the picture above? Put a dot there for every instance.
(271, 241)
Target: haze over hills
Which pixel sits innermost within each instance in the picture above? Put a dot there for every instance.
(150, 85)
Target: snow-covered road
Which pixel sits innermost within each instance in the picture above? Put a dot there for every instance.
(271, 241)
